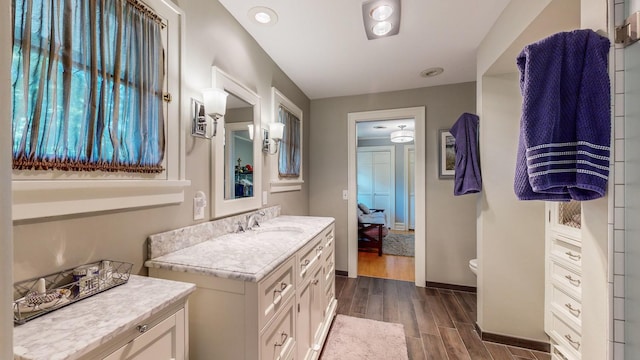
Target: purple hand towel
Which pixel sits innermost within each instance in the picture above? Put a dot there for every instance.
(467, 177)
(565, 129)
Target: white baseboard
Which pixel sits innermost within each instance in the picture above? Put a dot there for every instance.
(399, 226)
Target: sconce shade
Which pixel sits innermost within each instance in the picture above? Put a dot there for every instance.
(250, 126)
(215, 102)
(276, 130)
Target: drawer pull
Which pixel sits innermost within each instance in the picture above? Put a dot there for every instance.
(143, 328)
(561, 355)
(306, 262)
(319, 248)
(575, 312)
(575, 344)
(574, 282)
(573, 256)
(283, 339)
(315, 282)
(277, 293)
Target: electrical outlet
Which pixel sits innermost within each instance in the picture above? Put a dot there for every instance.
(199, 204)
(264, 198)
(345, 195)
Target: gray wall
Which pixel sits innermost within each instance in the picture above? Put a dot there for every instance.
(450, 221)
(213, 37)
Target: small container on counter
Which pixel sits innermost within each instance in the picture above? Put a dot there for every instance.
(87, 278)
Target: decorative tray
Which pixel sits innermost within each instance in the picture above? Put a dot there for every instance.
(39, 296)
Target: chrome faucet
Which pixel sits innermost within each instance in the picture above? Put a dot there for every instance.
(239, 228)
(253, 219)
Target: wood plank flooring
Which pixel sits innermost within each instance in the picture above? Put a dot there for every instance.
(438, 323)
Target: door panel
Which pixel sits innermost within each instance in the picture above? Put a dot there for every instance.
(376, 181)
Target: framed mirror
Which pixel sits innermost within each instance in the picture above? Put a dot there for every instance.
(237, 164)
(287, 164)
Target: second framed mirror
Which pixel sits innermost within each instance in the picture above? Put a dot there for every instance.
(237, 165)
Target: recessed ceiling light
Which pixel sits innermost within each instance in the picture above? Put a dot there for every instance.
(431, 72)
(263, 15)
(381, 12)
(381, 28)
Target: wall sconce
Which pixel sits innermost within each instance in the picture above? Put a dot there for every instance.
(272, 137)
(215, 106)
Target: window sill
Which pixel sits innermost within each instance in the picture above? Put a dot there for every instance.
(39, 199)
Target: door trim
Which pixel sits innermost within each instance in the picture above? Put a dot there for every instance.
(392, 173)
(407, 196)
(417, 113)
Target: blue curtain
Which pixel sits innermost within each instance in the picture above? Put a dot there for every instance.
(289, 160)
(87, 79)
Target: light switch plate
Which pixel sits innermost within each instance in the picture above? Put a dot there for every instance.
(345, 195)
(264, 197)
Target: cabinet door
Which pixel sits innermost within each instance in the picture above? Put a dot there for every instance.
(164, 341)
(310, 317)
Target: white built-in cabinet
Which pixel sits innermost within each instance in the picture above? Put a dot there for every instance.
(376, 180)
(286, 315)
(563, 279)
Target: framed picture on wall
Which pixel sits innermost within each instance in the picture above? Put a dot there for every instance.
(446, 154)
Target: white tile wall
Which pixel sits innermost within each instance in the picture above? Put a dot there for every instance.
(617, 208)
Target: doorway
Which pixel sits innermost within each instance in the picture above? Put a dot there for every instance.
(417, 114)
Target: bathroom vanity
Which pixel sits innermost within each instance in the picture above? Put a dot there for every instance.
(145, 318)
(265, 293)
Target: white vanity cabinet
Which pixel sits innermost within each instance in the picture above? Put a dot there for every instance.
(563, 279)
(285, 314)
(144, 319)
(316, 294)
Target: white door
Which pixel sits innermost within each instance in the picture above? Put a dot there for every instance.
(376, 179)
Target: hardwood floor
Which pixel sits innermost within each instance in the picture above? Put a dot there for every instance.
(438, 323)
(387, 266)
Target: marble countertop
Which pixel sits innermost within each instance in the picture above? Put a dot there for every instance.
(245, 256)
(77, 329)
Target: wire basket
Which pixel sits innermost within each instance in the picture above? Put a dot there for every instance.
(39, 296)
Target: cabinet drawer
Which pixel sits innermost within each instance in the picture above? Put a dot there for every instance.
(566, 279)
(308, 257)
(275, 290)
(329, 272)
(329, 237)
(566, 305)
(154, 342)
(278, 340)
(566, 252)
(565, 336)
(558, 354)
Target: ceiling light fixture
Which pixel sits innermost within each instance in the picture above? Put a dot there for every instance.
(263, 15)
(402, 135)
(381, 18)
(381, 12)
(431, 72)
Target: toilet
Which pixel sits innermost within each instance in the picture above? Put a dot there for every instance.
(473, 265)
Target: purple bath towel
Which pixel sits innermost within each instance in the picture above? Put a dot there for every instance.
(467, 177)
(565, 129)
